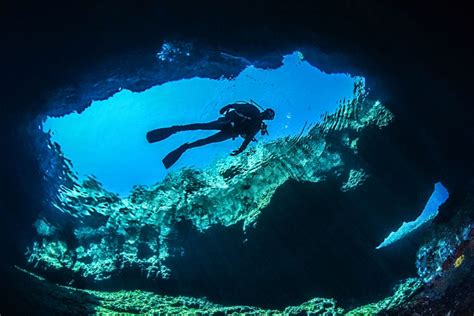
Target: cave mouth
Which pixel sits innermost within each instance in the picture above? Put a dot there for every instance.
(107, 139)
(107, 151)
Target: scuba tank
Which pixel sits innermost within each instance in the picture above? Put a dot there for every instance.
(263, 126)
(252, 102)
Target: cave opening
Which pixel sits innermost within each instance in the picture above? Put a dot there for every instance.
(107, 139)
(122, 234)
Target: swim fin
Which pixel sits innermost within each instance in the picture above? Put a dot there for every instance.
(159, 134)
(173, 156)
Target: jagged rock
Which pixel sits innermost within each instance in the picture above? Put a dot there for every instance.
(445, 264)
(356, 178)
(446, 243)
(402, 293)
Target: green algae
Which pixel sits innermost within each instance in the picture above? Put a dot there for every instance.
(315, 306)
(403, 292)
(73, 301)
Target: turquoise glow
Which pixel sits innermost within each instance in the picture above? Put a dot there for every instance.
(438, 197)
(107, 139)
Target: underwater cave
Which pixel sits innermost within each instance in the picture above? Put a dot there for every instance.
(349, 205)
(272, 227)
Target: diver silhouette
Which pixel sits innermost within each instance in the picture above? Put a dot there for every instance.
(239, 119)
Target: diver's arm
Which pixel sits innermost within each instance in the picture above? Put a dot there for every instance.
(244, 145)
(226, 108)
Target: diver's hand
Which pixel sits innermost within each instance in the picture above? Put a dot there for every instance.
(235, 152)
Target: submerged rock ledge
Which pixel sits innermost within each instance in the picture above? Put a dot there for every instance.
(111, 234)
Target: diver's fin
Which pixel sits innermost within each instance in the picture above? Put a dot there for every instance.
(173, 156)
(159, 134)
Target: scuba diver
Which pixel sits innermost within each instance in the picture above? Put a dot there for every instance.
(239, 119)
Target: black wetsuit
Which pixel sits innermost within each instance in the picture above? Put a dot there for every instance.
(240, 119)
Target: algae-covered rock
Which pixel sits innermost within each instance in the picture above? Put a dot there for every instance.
(47, 297)
(445, 244)
(445, 262)
(356, 178)
(315, 306)
(402, 293)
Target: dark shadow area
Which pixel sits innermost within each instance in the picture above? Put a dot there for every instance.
(25, 294)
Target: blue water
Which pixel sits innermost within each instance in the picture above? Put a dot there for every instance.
(437, 198)
(107, 140)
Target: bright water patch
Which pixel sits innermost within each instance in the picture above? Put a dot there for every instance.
(438, 197)
(107, 140)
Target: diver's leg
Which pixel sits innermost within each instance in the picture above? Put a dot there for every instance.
(218, 137)
(173, 156)
(159, 134)
(214, 125)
